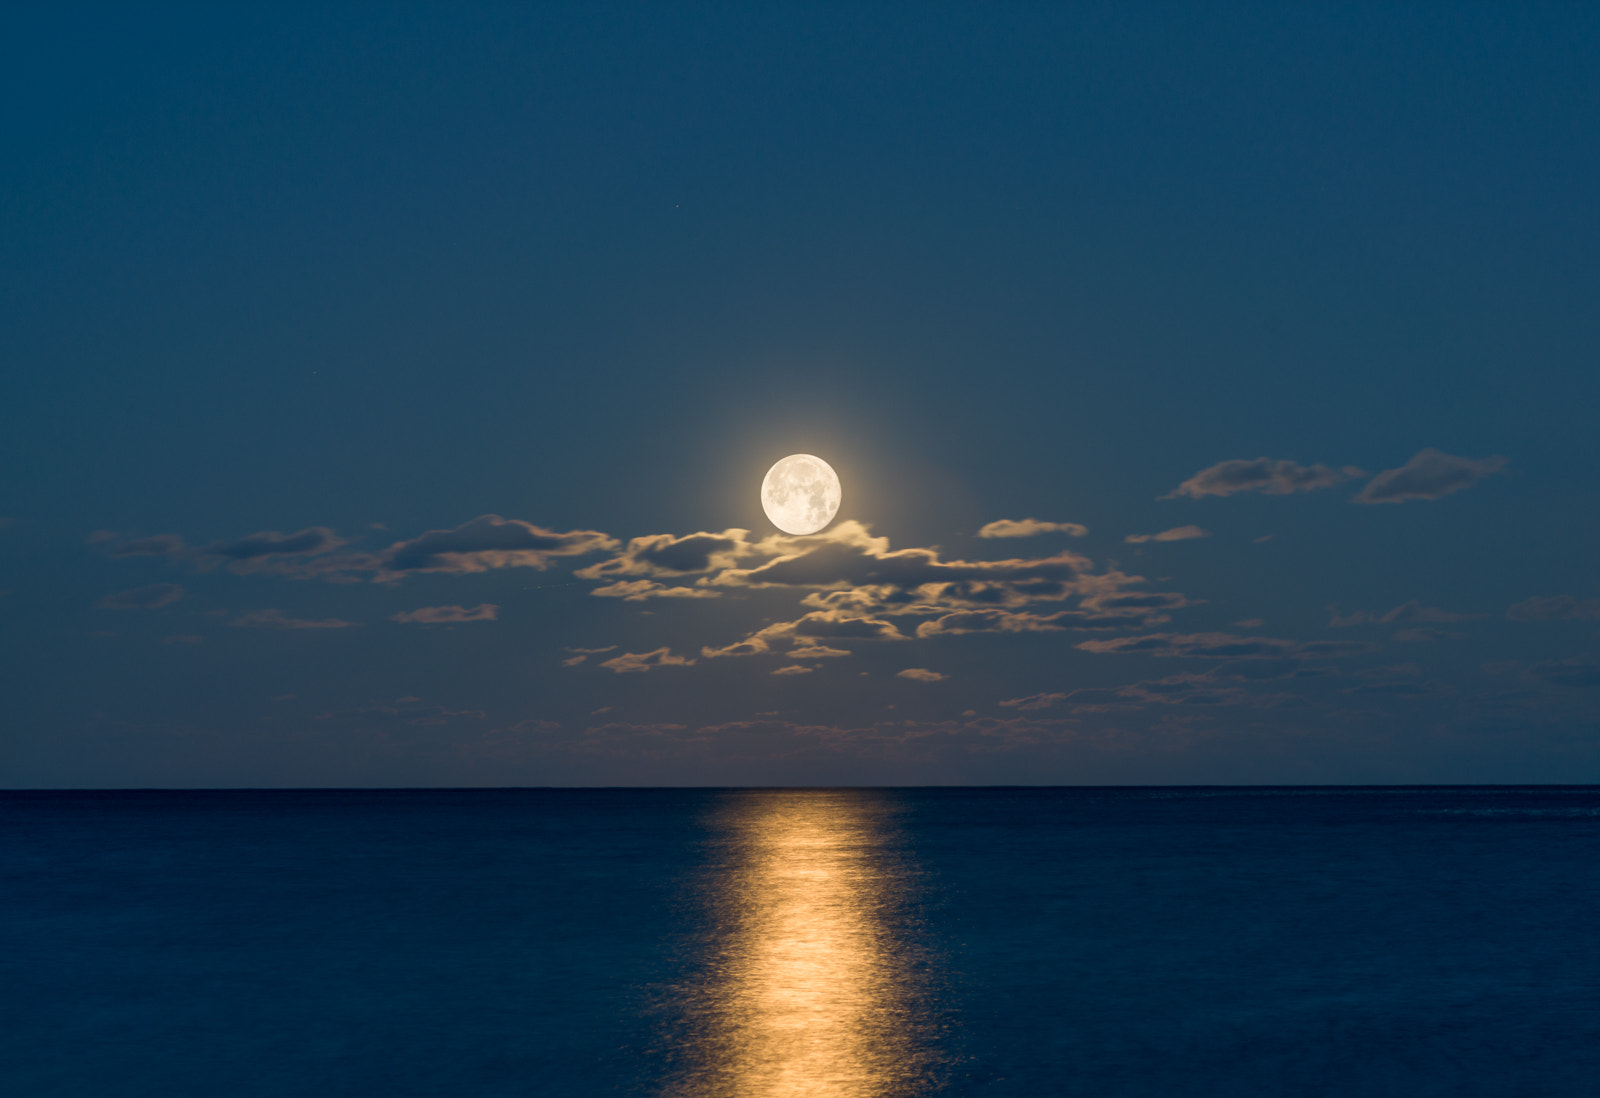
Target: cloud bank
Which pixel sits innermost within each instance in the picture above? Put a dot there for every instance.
(1273, 478)
(1430, 474)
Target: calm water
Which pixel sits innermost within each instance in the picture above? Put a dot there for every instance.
(844, 943)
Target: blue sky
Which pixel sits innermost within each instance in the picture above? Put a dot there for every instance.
(294, 299)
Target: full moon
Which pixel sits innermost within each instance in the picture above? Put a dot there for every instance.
(800, 494)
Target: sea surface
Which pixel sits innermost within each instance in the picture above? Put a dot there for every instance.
(834, 942)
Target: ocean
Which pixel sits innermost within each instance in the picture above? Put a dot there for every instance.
(832, 942)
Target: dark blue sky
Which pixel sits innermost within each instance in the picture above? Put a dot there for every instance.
(373, 272)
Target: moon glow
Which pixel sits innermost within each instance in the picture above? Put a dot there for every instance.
(801, 494)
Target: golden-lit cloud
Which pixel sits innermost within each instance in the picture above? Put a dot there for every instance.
(815, 651)
(669, 555)
(644, 661)
(1221, 646)
(1273, 478)
(1177, 533)
(445, 615)
(1030, 527)
(487, 542)
(640, 590)
(920, 674)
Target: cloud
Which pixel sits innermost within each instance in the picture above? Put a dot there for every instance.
(1029, 527)
(639, 590)
(276, 619)
(644, 661)
(667, 555)
(143, 598)
(1032, 702)
(407, 710)
(920, 674)
(1407, 613)
(1430, 474)
(815, 652)
(848, 555)
(1425, 636)
(1177, 533)
(1273, 478)
(996, 621)
(438, 615)
(486, 543)
(792, 669)
(161, 545)
(1218, 646)
(269, 543)
(1578, 671)
(1555, 608)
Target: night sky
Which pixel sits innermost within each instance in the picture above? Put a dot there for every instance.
(385, 394)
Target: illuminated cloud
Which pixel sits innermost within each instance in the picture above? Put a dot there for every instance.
(486, 543)
(816, 652)
(644, 661)
(1177, 533)
(848, 555)
(1428, 475)
(1273, 478)
(792, 669)
(1555, 608)
(585, 653)
(1033, 702)
(1219, 646)
(247, 553)
(1029, 527)
(920, 674)
(143, 598)
(276, 619)
(440, 615)
(995, 621)
(805, 632)
(639, 590)
(667, 555)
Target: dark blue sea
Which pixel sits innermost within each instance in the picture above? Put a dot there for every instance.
(838, 942)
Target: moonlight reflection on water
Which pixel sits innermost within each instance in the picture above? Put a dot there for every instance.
(817, 987)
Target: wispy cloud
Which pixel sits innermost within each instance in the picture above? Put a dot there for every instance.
(920, 674)
(488, 542)
(640, 590)
(1430, 474)
(442, 615)
(669, 555)
(1177, 533)
(1273, 478)
(1555, 608)
(277, 619)
(644, 661)
(1030, 527)
(154, 596)
(1221, 646)
(1407, 613)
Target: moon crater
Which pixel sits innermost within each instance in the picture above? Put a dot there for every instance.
(801, 494)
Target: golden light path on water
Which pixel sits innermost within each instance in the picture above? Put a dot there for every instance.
(816, 991)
